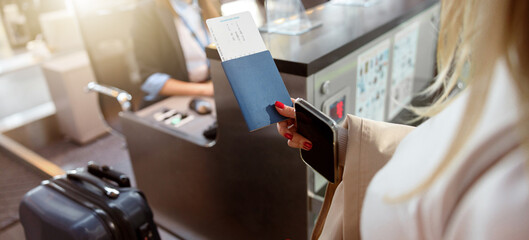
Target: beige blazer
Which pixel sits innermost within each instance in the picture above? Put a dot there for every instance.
(370, 145)
(483, 195)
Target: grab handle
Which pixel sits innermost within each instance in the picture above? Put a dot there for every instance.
(106, 172)
(106, 190)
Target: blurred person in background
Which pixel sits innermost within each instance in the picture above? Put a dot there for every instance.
(170, 37)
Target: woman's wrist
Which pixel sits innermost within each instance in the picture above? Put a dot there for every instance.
(206, 89)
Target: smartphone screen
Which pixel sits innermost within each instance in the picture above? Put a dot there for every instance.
(318, 128)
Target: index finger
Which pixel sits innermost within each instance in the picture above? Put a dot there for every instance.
(284, 110)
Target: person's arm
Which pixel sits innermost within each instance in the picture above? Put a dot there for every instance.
(163, 84)
(358, 138)
(364, 147)
(177, 87)
(372, 142)
(370, 145)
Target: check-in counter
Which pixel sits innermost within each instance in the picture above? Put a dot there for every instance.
(399, 34)
(244, 185)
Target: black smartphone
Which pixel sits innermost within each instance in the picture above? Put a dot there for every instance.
(321, 130)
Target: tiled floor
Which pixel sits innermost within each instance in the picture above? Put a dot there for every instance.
(15, 180)
(108, 150)
(16, 232)
(12, 232)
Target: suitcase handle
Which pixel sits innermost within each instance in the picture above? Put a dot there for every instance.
(105, 172)
(106, 190)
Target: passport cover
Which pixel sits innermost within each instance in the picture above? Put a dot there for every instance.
(257, 85)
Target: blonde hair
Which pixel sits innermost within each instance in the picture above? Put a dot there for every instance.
(475, 34)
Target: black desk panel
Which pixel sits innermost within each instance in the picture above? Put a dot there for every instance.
(344, 29)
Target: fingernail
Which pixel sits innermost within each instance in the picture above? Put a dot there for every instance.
(280, 104)
(288, 135)
(307, 145)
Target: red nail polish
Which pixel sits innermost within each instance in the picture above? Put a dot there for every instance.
(289, 136)
(307, 145)
(280, 104)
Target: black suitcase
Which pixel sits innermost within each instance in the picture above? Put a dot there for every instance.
(94, 204)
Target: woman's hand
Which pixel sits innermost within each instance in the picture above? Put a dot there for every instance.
(288, 128)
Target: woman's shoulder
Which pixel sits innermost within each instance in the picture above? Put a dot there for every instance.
(421, 151)
(496, 205)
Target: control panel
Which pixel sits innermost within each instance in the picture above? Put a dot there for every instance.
(189, 118)
(172, 117)
(379, 79)
(335, 107)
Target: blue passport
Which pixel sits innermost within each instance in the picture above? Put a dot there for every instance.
(257, 85)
